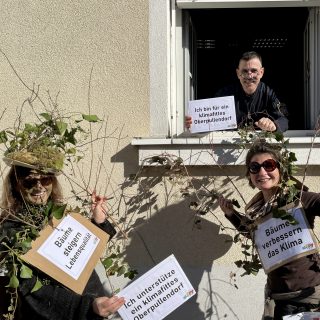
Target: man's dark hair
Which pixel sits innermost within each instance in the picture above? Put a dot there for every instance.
(250, 55)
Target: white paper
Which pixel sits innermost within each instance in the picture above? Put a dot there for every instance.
(278, 241)
(212, 114)
(156, 293)
(303, 316)
(70, 247)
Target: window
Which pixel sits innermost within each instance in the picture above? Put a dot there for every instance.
(287, 38)
(194, 47)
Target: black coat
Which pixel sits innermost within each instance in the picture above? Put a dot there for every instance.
(263, 103)
(53, 301)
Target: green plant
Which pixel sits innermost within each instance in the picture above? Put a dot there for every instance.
(51, 141)
(203, 199)
(288, 193)
(17, 240)
(48, 143)
(114, 264)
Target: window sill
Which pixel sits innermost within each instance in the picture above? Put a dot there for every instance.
(221, 148)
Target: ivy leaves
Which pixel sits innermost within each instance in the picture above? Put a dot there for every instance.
(19, 270)
(90, 118)
(251, 262)
(56, 210)
(284, 215)
(25, 273)
(16, 240)
(288, 193)
(113, 266)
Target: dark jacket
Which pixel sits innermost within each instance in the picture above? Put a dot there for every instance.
(263, 103)
(303, 272)
(54, 301)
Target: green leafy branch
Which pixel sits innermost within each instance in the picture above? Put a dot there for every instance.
(69, 135)
(42, 140)
(114, 265)
(287, 191)
(206, 197)
(16, 242)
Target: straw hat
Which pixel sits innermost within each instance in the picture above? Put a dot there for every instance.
(43, 158)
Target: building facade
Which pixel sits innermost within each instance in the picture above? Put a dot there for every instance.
(136, 64)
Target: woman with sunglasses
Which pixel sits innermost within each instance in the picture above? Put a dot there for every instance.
(295, 286)
(26, 194)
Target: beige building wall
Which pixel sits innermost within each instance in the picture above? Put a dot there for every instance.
(63, 46)
(95, 55)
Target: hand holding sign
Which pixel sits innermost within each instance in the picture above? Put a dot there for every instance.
(105, 306)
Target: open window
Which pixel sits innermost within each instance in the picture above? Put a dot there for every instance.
(194, 49)
(287, 38)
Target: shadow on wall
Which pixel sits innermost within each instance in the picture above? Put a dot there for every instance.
(172, 231)
(129, 156)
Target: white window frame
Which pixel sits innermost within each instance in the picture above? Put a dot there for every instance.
(169, 85)
(312, 67)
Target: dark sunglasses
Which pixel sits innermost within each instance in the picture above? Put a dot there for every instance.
(31, 182)
(269, 165)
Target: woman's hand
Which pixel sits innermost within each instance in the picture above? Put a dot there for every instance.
(104, 306)
(226, 206)
(97, 207)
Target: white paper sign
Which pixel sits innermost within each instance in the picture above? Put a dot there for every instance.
(212, 114)
(303, 316)
(157, 293)
(70, 246)
(277, 241)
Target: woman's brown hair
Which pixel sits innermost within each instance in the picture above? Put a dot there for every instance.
(261, 146)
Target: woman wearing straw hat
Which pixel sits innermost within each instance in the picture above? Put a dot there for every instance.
(28, 190)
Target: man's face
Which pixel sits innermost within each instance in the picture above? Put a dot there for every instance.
(249, 73)
(36, 188)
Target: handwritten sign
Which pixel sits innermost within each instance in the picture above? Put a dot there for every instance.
(278, 241)
(157, 293)
(68, 250)
(212, 114)
(303, 316)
